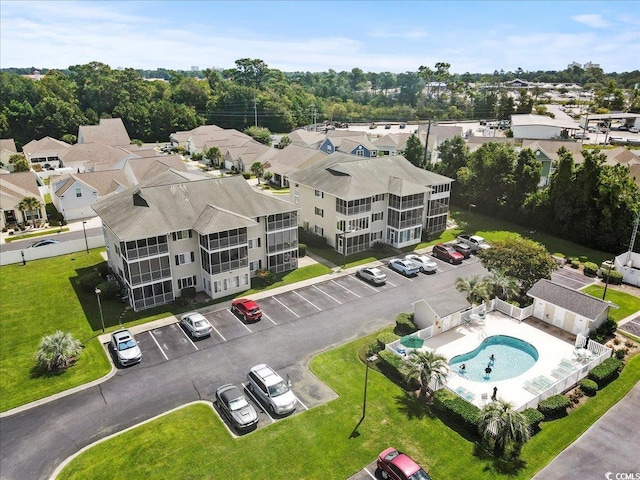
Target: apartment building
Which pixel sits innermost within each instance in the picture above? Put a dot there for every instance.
(173, 232)
(355, 202)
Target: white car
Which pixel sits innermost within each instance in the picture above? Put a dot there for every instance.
(372, 275)
(404, 266)
(426, 264)
(196, 324)
(125, 347)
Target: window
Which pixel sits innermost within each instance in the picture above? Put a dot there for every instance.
(187, 282)
(254, 243)
(318, 230)
(379, 197)
(184, 258)
(181, 235)
(360, 152)
(319, 212)
(376, 217)
(78, 192)
(375, 236)
(257, 265)
(319, 194)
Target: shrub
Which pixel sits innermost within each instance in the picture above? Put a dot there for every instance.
(386, 337)
(246, 175)
(196, 157)
(559, 255)
(405, 324)
(381, 247)
(554, 407)
(608, 327)
(302, 249)
(572, 259)
(188, 292)
(58, 352)
(615, 278)
(391, 365)
(265, 277)
(533, 417)
(109, 290)
(456, 410)
(620, 353)
(575, 263)
(606, 372)
(311, 239)
(590, 269)
(576, 396)
(589, 387)
(582, 258)
(89, 281)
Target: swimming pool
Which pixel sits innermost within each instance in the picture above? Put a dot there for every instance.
(512, 357)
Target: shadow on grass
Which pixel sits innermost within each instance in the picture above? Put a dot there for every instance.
(413, 407)
(511, 467)
(39, 372)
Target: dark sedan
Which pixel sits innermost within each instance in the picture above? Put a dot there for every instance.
(233, 405)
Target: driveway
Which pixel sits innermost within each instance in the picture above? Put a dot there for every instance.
(34, 442)
(608, 448)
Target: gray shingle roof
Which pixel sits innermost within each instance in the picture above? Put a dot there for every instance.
(110, 131)
(350, 177)
(567, 298)
(174, 202)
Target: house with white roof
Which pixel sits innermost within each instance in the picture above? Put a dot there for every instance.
(175, 232)
(355, 202)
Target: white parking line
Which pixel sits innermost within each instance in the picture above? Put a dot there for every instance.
(268, 318)
(305, 407)
(297, 316)
(353, 293)
(216, 330)
(161, 350)
(257, 402)
(369, 473)
(187, 335)
(307, 300)
(241, 323)
(334, 299)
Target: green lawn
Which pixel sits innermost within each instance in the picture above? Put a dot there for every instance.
(627, 304)
(191, 442)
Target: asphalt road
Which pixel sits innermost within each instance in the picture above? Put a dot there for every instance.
(34, 442)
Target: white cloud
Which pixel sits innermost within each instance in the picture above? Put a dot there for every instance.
(591, 20)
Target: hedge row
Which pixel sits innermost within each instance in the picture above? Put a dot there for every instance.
(589, 387)
(405, 324)
(457, 410)
(606, 371)
(533, 417)
(391, 365)
(554, 407)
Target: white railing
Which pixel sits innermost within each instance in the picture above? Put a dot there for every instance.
(515, 312)
(62, 248)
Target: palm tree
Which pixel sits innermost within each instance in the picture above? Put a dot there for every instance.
(499, 423)
(475, 288)
(257, 169)
(31, 205)
(58, 351)
(425, 366)
(214, 156)
(502, 285)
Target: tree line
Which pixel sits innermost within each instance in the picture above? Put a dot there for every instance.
(251, 93)
(591, 203)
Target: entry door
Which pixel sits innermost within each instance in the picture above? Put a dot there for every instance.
(538, 309)
(446, 323)
(580, 325)
(558, 317)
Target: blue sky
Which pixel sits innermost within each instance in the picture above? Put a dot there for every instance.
(305, 35)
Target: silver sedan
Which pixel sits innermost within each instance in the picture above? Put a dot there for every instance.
(426, 264)
(196, 324)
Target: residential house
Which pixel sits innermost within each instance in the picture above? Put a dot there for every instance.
(281, 162)
(306, 138)
(355, 202)
(7, 150)
(171, 233)
(93, 157)
(109, 131)
(73, 194)
(15, 187)
(45, 153)
(434, 136)
(354, 143)
(441, 311)
(546, 152)
(189, 139)
(393, 143)
(568, 309)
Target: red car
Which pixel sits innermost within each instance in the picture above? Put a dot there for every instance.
(398, 466)
(447, 253)
(247, 309)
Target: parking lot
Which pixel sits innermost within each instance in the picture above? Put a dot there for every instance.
(173, 341)
(571, 278)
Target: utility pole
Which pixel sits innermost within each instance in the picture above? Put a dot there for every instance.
(255, 111)
(426, 144)
(315, 118)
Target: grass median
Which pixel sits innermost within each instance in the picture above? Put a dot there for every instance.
(192, 442)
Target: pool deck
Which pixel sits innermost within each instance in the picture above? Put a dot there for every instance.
(555, 359)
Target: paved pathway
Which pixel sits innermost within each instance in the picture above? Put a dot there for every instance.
(609, 447)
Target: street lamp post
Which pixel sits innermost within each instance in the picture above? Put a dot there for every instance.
(98, 292)
(370, 359)
(471, 205)
(344, 244)
(86, 243)
(610, 262)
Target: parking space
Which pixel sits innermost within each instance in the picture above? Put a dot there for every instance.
(367, 473)
(571, 278)
(632, 326)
